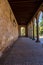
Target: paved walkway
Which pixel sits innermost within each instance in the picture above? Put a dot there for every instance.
(41, 39)
(25, 52)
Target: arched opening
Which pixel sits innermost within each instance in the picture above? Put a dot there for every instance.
(41, 26)
(23, 31)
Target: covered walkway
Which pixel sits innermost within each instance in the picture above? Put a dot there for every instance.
(24, 52)
(20, 42)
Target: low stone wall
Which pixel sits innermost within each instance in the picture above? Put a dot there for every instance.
(8, 26)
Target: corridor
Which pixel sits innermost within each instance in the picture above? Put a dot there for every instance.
(24, 52)
(21, 32)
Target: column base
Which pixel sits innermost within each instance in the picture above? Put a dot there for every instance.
(33, 39)
(37, 40)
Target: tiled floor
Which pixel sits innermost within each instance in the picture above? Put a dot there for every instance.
(25, 52)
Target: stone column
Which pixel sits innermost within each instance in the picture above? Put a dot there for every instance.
(33, 31)
(37, 29)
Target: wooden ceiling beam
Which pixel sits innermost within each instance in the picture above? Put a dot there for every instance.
(24, 10)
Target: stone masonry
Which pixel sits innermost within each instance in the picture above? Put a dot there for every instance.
(8, 26)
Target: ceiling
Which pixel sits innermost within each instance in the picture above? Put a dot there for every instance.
(24, 9)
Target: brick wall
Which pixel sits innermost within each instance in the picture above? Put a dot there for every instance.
(8, 25)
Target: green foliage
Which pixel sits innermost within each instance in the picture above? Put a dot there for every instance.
(41, 23)
(41, 28)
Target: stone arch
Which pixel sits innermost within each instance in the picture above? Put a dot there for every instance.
(38, 15)
(22, 31)
(37, 24)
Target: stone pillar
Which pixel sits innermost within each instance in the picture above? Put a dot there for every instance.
(33, 31)
(37, 29)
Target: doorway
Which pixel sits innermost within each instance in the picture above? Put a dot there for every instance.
(23, 31)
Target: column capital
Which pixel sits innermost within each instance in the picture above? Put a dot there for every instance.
(38, 14)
